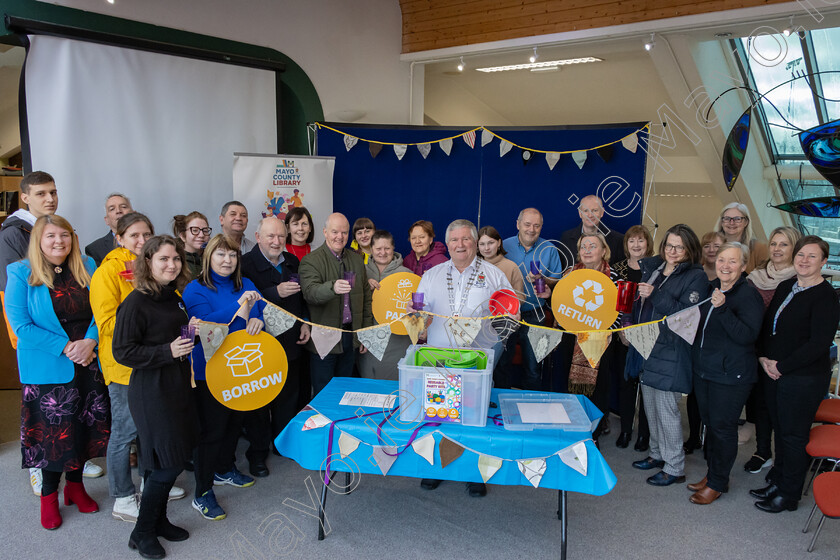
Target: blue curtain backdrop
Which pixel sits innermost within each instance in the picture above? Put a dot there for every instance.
(477, 184)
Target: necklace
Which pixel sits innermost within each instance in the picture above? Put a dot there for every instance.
(464, 293)
(58, 270)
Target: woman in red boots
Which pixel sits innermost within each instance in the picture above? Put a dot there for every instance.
(65, 416)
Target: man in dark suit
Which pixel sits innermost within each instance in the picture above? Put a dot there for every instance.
(270, 268)
(116, 205)
(591, 210)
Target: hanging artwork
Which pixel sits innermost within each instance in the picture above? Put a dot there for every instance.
(824, 207)
(821, 145)
(736, 149)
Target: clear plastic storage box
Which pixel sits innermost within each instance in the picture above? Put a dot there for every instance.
(446, 385)
(539, 413)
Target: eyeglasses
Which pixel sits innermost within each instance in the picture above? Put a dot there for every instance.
(195, 230)
(733, 219)
(674, 248)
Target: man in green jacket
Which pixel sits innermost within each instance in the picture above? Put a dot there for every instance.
(335, 301)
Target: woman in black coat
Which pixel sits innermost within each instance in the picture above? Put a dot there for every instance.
(671, 281)
(147, 338)
(724, 364)
(798, 329)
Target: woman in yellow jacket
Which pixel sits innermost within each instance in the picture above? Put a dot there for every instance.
(110, 285)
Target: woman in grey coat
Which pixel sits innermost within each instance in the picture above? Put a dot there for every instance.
(384, 262)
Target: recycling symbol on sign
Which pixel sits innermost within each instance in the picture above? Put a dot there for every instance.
(593, 303)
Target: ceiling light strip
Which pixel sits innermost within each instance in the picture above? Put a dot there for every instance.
(545, 64)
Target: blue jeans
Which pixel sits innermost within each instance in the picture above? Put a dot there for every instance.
(123, 432)
(333, 365)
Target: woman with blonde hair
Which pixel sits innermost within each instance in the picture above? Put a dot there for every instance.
(65, 417)
(766, 278)
(735, 225)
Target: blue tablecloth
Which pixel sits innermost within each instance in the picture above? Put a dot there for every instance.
(309, 447)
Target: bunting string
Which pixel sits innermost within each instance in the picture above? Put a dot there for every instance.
(645, 128)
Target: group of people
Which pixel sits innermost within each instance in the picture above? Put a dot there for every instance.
(104, 362)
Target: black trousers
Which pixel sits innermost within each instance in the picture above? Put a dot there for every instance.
(793, 401)
(333, 365)
(627, 391)
(720, 408)
(262, 426)
(219, 431)
(695, 421)
(759, 414)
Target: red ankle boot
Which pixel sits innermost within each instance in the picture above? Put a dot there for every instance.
(74, 493)
(50, 517)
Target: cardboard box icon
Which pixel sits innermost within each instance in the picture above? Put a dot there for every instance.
(245, 360)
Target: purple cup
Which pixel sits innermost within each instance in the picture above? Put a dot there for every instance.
(535, 268)
(188, 332)
(350, 276)
(417, 300)
(294, 277)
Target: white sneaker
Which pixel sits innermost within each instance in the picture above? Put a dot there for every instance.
(92, 470)
(126, 508)
(175, 493)
(36, 479)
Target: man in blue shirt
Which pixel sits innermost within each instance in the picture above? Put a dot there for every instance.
(523, 249)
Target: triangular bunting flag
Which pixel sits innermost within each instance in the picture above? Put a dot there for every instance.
(449, 451)
(526, 156)
(575, 456)
(469, 138)
(425, 447)
(488, 466)
(350, 141)
(374, 148)
(685, 323)
(375, 339)
(384, 455)
(277, 321)
(347, 444)
(643, 338)
(551, 158)
(446, 145)
(631, 142)
(211, 336)
(504, 147)
(580, 158)
(462, 330)
(400, 149)
(533, 469)
(605, 152)
(414, 325)
(593, 345)
(424, 149)
(543, 341)
(315, 421)
(486, 137)
(324, 339)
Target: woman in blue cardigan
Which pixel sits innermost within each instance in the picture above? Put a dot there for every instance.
(65, 416)
(216, 296)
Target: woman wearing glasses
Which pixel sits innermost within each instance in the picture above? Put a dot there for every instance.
(672, 281)
(194, 232)
(734, 224)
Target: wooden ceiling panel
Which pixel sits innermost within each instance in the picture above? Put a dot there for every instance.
(436, 24)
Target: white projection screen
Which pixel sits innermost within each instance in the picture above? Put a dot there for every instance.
(160, 128)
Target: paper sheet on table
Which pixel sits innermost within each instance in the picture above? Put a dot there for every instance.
(543, 413)
(368, 399)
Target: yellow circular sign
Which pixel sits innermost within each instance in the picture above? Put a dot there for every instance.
(247, 372)
(584, 300)
(390, 299)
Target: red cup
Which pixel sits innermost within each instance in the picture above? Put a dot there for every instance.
(626, 295)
